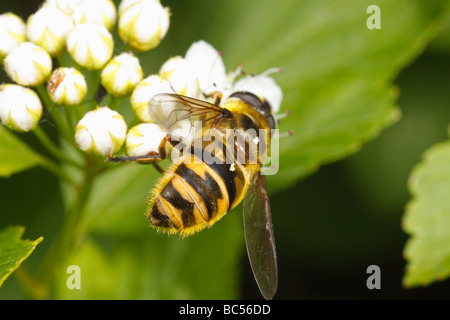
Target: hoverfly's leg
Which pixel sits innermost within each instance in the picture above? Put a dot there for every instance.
(152, 157)
(215, 96)
(158, 168)
(147, 159)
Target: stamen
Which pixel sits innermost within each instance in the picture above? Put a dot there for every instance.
(285, 134)
(272, 70)
(232, 75)
(282, 115)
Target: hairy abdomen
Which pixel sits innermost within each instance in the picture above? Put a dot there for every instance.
(191, 196)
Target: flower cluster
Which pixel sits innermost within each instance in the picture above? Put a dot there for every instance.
(199, 74)
(78, 35)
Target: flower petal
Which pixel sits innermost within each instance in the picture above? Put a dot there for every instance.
(208, 66)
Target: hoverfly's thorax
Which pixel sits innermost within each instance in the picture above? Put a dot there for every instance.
(257, 111)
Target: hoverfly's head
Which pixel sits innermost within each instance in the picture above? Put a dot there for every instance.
(259, 104)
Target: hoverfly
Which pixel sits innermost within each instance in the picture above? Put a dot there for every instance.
(194, 193)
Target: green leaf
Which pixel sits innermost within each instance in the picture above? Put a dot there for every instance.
(427, 219)
(13, 250)
(137, 262)
(338, 85)
(118, 200)
(155, 266)
(338, 79)
(15, 156)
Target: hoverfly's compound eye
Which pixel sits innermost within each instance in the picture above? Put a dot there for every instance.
(270, 121)
(261, 106)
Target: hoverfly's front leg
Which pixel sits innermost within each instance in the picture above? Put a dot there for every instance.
(215, 96)
(152, 157)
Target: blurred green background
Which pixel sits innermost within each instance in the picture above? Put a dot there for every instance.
(329, 225)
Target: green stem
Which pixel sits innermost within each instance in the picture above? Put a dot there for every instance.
(56, 170)
(52, 148)
(93, 85)
(110, 101)
(72, 230)
(64, 60)
(33, 288)
(72, 119)
(57, 117)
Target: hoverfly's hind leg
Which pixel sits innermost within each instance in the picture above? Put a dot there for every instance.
(158, 168)
(152, 157)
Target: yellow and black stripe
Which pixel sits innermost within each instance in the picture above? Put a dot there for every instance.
(193, 195)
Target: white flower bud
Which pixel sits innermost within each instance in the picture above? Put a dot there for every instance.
(12, 33)
(66, 6)
(144, 91)
(28, 64)
(122, 74)
(95, 11)
(125, 4)
(143, 24)
(48, 28)
(67, 86)
(264, 87)
(20, 107)
(207, 64)
(90, 45)
(144, 139)
(101, 132)
(181, 76)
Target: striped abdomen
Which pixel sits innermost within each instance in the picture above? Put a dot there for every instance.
(191, 196)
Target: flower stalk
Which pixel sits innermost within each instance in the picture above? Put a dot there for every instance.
(81, 97)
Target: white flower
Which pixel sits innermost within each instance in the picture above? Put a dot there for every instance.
(66, 6)
(144, 91)
(121, 75)
(262, 86)
(181, 76)
(101, 132)
(48, 28)
(20, 107)
(143, 139)
(95, 11)
(207, 65)
(28, 64)
(143, 24)
(12, 33)
(67, 86)
(90, 45)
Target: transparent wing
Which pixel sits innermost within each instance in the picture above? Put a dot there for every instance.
(182, 116)
(259, 237)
